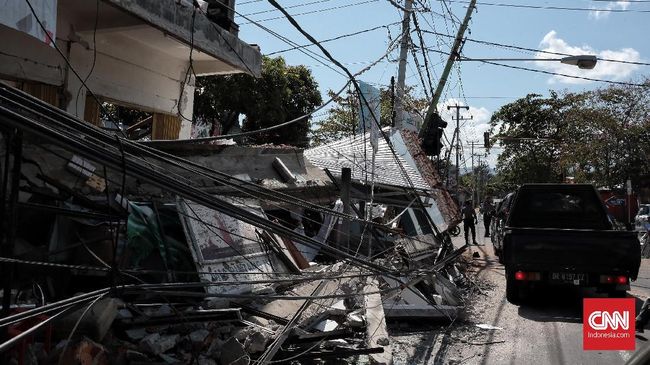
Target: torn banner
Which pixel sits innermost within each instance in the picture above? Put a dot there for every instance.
(16, 14)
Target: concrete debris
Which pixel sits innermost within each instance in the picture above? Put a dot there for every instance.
(203, 360)
(234, 353)
(326, 325)
(134, 356)
(157, 344)
(219, 254)
(355, 319)
(136, 334)
(256, 342)
(199, 336)
(376, 331)
(485, 326)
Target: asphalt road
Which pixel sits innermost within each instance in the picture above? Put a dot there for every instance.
(546, 331)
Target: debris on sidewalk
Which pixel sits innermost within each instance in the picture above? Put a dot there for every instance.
(164, 260)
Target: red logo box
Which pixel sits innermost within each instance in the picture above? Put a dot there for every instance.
(608, 324)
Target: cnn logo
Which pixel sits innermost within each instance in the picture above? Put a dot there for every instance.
(608, 324)
(602, 320)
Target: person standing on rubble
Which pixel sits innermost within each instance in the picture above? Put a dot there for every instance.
(469, 221)
(488, 212)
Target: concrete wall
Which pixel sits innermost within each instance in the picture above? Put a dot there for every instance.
(142, 55)
(131, 74)
(25, 57)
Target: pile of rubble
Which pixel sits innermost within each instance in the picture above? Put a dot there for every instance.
(341, 314)
(129, 254)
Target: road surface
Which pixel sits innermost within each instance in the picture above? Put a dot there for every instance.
(547, 331)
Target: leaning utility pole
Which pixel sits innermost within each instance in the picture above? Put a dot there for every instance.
(401, 71)
(457, 133)
(455, 50)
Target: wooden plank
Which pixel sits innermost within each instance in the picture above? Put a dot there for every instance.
(298, 258)
(47, 93)
(165, 126)
(91, 111)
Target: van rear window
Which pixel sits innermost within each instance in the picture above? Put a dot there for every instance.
(562, 208)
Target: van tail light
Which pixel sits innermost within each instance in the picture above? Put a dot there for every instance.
(610, 279)
(529, 276)
(520, 275)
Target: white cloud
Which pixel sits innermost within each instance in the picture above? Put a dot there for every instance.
(611, 5)
(603, 69)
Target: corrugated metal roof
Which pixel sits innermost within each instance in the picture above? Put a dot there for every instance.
(355, 152)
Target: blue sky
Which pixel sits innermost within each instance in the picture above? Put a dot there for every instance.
(613, 35)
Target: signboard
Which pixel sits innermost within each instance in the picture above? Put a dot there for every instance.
(227, 249)
(17, 15)
(369, 112)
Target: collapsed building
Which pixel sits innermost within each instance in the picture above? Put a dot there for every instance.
(117, 251)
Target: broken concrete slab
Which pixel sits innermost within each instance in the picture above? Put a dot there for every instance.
(338, 308)
(199, 336)
(256, 342)
(376, 331)
(157, 344)
(326, 325)
(136, 334)
(355, 319)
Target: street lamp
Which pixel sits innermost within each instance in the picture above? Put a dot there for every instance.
(584, 62)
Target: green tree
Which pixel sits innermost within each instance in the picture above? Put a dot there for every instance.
(611, 139)
(281, 94)
(122, 114)
(532, 130)
(600, 137)
(343, 117)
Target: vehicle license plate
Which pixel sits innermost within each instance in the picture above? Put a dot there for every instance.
(569, 277)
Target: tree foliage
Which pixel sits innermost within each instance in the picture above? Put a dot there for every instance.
(281, 94)
(342, 119)
(600, 137)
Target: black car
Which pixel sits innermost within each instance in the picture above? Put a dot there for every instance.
(559, 234)
(498, 223)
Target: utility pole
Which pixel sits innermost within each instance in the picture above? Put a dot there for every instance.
(401, 71)
(478, 181)
(453, 55)
(457, 134)
(475, 198)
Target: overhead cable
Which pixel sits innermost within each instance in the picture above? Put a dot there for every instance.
(63, 134)
(543, 71)
(69, 64)
(533, 49)
(545, 7)
(335, 38)
(317, 11)
(374, 118)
